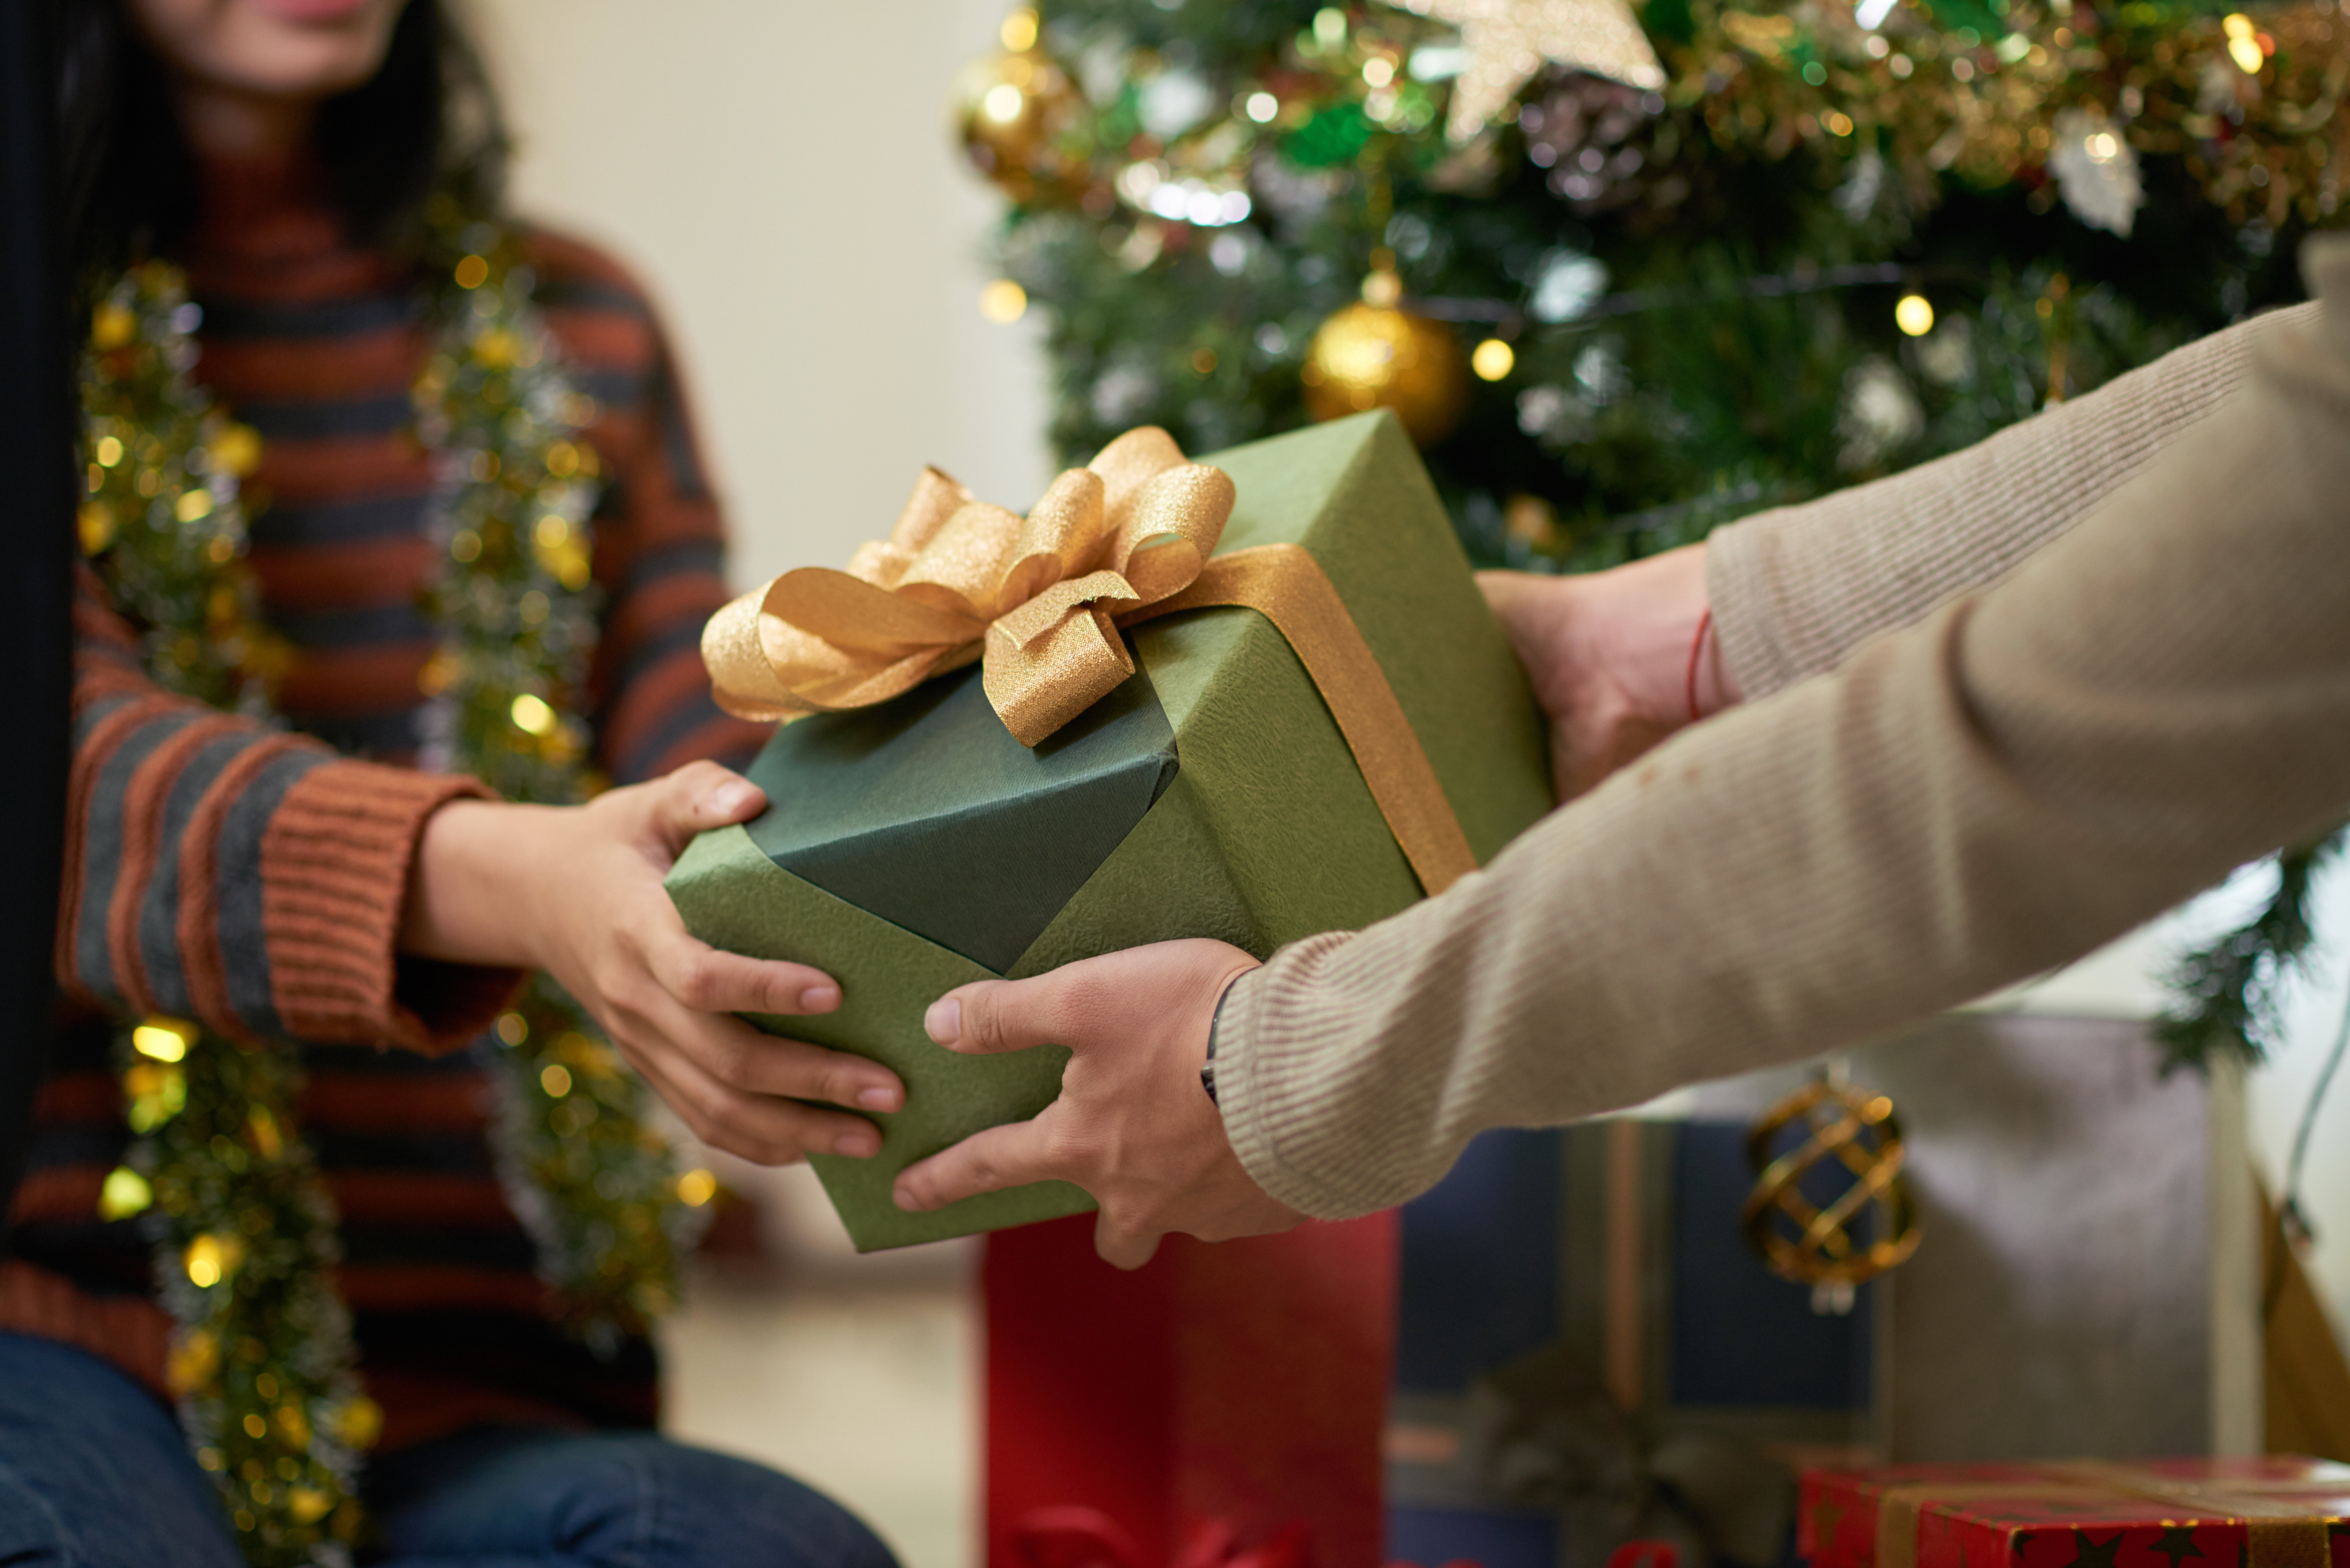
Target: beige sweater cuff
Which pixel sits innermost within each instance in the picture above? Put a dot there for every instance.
(1276, 1118)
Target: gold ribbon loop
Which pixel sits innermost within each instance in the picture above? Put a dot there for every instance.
(959, 579)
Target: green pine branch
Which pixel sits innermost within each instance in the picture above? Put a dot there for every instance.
(2230, 991)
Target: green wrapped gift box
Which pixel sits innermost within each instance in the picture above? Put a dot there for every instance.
(916, 846)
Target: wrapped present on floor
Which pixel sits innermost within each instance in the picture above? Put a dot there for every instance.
(1129, 717)
(1589, 1356)
(1219, 1408)
(2278, 1512)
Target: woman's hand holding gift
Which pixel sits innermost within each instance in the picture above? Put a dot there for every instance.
(1133, 1126)
(577, 891)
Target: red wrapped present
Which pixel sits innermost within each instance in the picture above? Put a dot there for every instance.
(2281, 1511)
(1221, 1407)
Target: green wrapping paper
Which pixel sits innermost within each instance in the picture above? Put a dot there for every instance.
(916, 846)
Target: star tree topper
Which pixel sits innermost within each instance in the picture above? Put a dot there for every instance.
(1510, 40)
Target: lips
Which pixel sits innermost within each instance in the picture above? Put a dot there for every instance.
(312, 10)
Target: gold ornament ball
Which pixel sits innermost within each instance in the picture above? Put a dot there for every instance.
(1014, 112)
(1380, 357)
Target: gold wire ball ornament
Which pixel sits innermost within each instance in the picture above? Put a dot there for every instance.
(1378, 355)
(1014, 112)
(1818, 1244)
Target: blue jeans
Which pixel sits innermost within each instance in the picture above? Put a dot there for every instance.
(94, 1474)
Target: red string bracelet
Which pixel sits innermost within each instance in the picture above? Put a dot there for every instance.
(1697, 651)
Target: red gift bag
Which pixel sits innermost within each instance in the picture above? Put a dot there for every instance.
(1222, 1405)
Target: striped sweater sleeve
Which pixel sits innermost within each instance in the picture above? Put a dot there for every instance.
(242, 876)
(661, 536)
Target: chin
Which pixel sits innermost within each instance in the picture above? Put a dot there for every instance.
(305, 48)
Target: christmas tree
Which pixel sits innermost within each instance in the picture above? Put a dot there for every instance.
(1628, 269)
(1627, 275)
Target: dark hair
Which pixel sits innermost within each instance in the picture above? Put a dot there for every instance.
(426, 124)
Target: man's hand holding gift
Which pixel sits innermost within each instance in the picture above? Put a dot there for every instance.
(1133, 1126)
(1619, 660)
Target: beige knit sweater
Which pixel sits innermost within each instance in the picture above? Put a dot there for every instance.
(1958, 786)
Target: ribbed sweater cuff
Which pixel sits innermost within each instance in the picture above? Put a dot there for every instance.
(1268, 1092)
(1737, 591)
(334, 870)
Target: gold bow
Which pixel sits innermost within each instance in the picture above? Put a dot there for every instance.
(959, 580)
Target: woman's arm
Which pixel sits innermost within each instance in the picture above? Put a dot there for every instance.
(258, 883)
(241, 876)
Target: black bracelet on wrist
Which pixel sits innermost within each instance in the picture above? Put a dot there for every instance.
(1208, 1066)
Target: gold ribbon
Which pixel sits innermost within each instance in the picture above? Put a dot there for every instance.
(1289, 588)
(2279, 1533)
(1124, 540)
(957, 579)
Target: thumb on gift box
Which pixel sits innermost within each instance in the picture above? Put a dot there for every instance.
(698, 797)
(1134, 1124)
(1109, 1001)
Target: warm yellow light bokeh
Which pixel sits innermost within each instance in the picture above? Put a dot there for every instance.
(1492, 360)
(532, 716)
(162, 1039)
(1004, 301)
(125, 1193)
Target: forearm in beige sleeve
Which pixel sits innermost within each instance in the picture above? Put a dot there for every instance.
(2159, 695)
(1796, 589)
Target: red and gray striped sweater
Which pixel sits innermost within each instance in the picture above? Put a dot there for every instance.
(254, 879)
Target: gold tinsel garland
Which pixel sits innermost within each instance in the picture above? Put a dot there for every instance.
(243, 1229)
(2043, 94)
(2248, 102)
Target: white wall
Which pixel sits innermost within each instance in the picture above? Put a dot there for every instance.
(781, 175)
(2126, 980)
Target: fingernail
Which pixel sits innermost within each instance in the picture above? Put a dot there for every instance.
(819, 999)
(879, 1097)
(904, 1198)
(943, 1022)
(731, 798)
(856, 1145)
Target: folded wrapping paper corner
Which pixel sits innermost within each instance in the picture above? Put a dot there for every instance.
(1035, 598)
